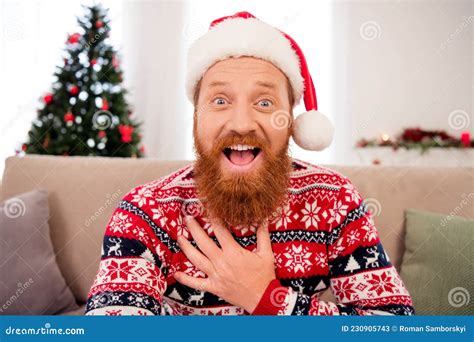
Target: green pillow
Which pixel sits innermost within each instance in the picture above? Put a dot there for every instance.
(437, 265)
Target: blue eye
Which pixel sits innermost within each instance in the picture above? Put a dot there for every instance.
(265, 103)
(220, 101)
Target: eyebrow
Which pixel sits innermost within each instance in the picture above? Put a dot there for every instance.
(218, 84)
(268, 85)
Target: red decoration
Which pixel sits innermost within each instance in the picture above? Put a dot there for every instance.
(115, 61)
(419, 138)
(126, 133)
(46, 142)
(417, 134)
(466, 139)
(102, 134)
(142, 149)
(74, 38)
(376, 162)
(24, 147)
(48, 98)
(93, 61)
(105, 104)
(74, 90)
(99, 24)
(69, 117)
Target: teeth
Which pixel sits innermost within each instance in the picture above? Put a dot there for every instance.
(241, 147)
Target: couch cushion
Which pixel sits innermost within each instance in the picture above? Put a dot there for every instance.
(31, 283)
(437, 264)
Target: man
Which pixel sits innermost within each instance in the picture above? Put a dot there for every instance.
(247, 229)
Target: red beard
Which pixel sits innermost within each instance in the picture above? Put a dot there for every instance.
(242, 199)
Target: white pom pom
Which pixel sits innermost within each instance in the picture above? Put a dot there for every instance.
(313, 131)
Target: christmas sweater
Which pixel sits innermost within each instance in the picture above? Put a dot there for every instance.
(324, 237)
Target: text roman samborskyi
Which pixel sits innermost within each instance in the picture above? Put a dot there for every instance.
(432, 328)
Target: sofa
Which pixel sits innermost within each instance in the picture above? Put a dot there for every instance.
(84, 191)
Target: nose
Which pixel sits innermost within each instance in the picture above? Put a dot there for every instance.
(242, 120)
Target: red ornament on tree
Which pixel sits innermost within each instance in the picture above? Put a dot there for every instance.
(48, 98)
(69, 117)
(74, 90)
(115, 61)
(46, 142)
(74, 38)
(126, 133)
(105, 104)
(99, 24)
(93, 61)
(466, 139)
(102, 134)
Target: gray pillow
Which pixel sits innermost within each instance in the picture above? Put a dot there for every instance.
(30, 280)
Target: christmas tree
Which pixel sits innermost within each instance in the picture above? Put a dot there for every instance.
(352, 265)
(86, 112)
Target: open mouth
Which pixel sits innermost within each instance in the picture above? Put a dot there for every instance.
(241, 155)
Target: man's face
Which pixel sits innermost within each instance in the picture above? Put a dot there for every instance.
(242, 167)
(238, 97)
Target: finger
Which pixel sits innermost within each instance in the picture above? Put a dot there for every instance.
(204, 242)
(264, 243)
(197, 258)
(201, 284)
(223, 235)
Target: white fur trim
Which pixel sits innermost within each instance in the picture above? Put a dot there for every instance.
(313, 131)
(243, 37)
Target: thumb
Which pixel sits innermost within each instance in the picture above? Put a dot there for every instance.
(264, 243)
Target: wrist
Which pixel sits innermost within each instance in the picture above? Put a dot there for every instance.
(272, 299)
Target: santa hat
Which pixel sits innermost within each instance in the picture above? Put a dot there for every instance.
(242, 34)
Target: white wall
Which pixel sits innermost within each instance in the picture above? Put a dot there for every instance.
(416, 71)
(153, 50)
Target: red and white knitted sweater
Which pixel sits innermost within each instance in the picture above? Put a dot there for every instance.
(324, 237)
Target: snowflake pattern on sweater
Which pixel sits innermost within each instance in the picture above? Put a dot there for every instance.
(323, 237)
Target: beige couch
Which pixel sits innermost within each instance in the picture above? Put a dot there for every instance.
(83, 192)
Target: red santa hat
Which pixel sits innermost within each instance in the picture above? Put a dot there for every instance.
(242, 34)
